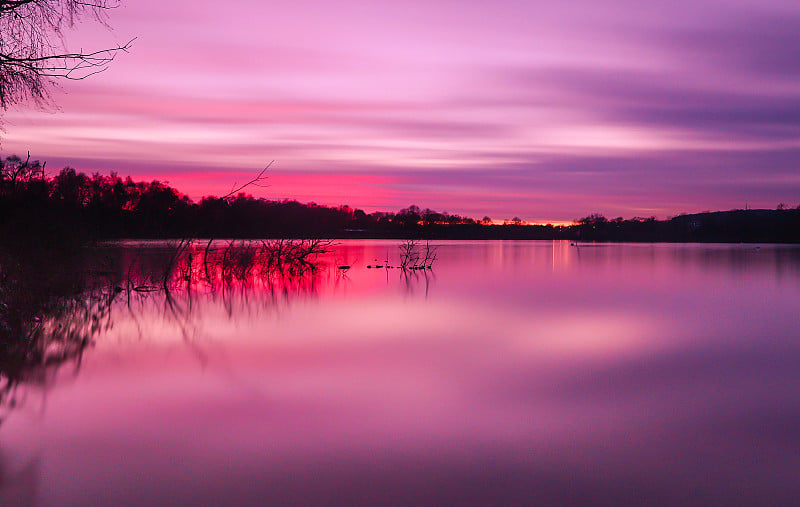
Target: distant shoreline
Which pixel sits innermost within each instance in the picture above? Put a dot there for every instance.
(72, 207)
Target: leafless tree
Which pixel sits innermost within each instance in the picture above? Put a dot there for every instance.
(430, 256)
(415, 256)
(409, 253)
(33, 47)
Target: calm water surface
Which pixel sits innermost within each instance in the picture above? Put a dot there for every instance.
(511, 372)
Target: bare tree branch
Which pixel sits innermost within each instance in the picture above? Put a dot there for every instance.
(33, 49)
(256, 182)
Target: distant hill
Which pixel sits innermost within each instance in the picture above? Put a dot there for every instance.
(746, 226)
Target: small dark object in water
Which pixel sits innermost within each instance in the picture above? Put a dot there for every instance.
(145, 288)
(369, 266)
(345, 267)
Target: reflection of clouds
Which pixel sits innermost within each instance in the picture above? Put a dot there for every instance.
(440, 398)
(19, 480)
(606, 379)
(585, 334)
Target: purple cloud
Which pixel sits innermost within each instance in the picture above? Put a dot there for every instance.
(538, 109)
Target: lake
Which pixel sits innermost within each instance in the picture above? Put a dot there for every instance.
(509, 372)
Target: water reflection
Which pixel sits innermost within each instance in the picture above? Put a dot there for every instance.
(53, 307)
(49, 313)
(513, 372)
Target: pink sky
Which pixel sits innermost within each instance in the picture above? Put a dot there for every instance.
(544, 110)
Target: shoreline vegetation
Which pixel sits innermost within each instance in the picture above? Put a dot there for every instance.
(75, 208)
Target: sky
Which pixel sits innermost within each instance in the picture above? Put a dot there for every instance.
(544, 110)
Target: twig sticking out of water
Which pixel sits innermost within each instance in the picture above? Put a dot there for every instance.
(430, 256)
(415, 256)
(409, 253)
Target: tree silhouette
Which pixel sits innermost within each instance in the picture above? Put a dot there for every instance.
(33, 49)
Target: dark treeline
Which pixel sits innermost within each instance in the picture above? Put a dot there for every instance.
(97, 206)
(781, 225)
(73, 206)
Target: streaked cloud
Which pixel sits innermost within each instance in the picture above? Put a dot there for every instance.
(543, 110)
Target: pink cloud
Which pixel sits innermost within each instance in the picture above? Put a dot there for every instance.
(465, 92)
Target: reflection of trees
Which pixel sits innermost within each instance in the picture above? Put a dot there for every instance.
(224, 267)
(412, 278)
(50, 310)
(53, 305)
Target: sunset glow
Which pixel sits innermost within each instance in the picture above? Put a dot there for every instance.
(547, 111)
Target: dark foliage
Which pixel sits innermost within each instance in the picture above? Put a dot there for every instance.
(735, 226)
(72, 208)
(76, 207)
